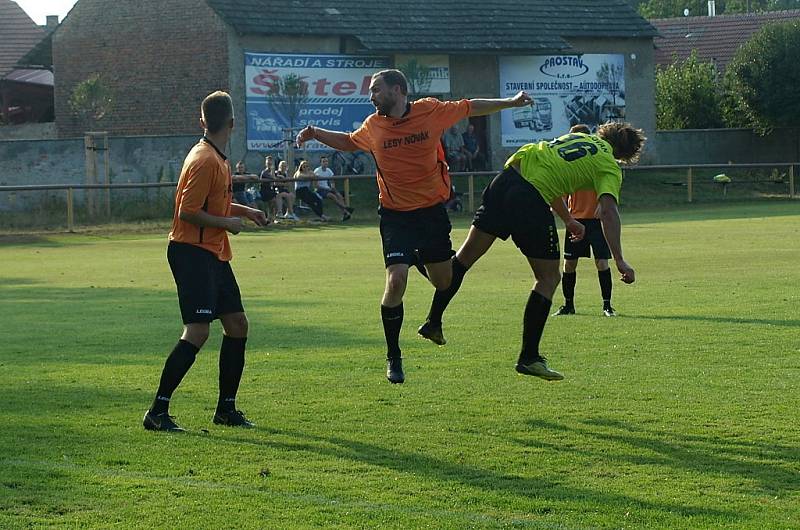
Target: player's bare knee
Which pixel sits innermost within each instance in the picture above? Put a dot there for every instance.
(235, 325)
(196, 334)
(396, 284)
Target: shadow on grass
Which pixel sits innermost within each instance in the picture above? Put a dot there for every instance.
(717, 320)
(14, 282)
(32, 240)
(463, 474)
(770, 465)
(99, 321)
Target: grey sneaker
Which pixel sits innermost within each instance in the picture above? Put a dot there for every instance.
(538, 368)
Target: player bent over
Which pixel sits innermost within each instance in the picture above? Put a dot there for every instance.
(517, 203)
(199, 255)
(583, 205)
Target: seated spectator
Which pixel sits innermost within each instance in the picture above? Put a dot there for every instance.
(302, 189)
(454, 149)
(327, 188)
(240, 179)
(284, 194)
(472, 150)
(268, 193)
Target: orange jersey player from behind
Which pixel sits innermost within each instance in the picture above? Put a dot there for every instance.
(199, 256)
(414, 184)
(583, 205)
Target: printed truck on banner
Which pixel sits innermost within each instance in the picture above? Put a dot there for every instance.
(538, 116)
(566, 90)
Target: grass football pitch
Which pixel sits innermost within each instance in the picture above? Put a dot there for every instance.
(680, 413)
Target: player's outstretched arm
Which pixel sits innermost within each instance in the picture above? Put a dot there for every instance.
(612, 229)
(337, 140)
(482, 107)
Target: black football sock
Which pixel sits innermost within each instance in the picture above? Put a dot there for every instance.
(176, 367)
(392, 322)
(568, 280)
(605, 287)
(536, 311)
(231, 366)
(441, 299)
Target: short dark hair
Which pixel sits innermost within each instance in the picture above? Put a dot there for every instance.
(323, 157)
(580, 128)
(393, 78)
(626, 140)
(217, 110)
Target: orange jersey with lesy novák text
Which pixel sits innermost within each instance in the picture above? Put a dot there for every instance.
(205, 184)
(410, 174)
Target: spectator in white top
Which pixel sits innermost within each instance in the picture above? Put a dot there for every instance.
(327, 188)
(304, 178)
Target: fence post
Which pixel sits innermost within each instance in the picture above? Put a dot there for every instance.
(471, 193)
(347, 192)
(791, 181)
(689, 183)
(70, 211)
(107, 162)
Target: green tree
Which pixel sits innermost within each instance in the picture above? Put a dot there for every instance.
(287, 97)
(91, 101)
(761, 83)
(674, 8)
(418, 75)
(687, 95)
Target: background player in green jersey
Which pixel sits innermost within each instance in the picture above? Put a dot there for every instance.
(517, 203)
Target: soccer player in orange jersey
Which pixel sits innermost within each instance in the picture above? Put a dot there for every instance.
(199, 255)
(414, 185)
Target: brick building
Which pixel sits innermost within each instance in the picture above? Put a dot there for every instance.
(162, 58)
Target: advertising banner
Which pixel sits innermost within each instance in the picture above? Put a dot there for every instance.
(566, 90)
(427, 74)
(337, 88)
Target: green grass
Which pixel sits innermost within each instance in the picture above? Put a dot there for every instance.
(681, 413)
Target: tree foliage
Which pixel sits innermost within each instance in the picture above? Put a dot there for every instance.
(687, 96)
(418, 76)
(91, 100)
(761, 83)
(287, 97)
(674, 8)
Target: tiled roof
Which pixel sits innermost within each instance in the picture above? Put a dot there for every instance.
(715, 38)
(488, 26)
(18, 34)
(31, 76)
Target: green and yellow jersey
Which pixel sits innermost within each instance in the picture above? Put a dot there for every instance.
(575, 161)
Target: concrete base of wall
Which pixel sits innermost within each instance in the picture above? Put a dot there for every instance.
(29, 131)
(723, 146)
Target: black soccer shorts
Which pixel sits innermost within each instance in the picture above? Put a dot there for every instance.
(206, 286)
(424, 232)
(593, 238)
(512, 206)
